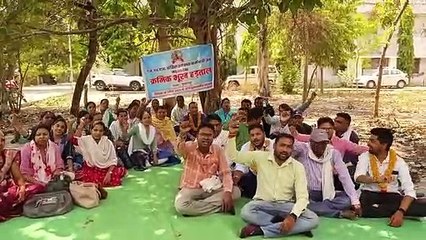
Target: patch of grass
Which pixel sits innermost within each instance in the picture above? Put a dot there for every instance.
(63, 101)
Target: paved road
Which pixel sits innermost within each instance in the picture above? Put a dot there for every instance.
(37, 93)
(41, 92)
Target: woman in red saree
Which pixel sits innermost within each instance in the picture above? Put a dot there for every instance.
(100, 158)
(13, 189)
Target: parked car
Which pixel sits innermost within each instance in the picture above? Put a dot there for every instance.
(48, 79)
(235, 81)
(390, 78)
(117, 78)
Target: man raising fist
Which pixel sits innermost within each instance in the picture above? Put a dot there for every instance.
(206, 183)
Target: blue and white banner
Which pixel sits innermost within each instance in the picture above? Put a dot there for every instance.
(178, 72)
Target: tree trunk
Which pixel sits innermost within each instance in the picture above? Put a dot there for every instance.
(263, 61)
(382, 60)
(310, 80)
(164, 45)
(305, 79)
(322, 80)
(87, 67)
(157, 8)
(205, 33)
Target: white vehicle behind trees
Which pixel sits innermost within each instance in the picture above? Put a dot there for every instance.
(391, 78)
(250, 76)
(117, 78)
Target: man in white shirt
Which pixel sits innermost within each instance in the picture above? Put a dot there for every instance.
(382, 173)
(243, 176)
(178, 112)
(220, 138)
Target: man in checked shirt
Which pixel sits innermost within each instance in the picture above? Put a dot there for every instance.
(206, 183)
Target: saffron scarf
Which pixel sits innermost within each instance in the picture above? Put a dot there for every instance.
(165, 127)
(43, 170)
(388, 172)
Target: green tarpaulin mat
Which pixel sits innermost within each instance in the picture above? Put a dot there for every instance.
(142, 209)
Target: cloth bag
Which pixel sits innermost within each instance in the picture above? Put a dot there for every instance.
(86, 195)
(211, 184)
(48, 204)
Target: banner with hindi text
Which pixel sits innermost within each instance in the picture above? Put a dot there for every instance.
(179, 71)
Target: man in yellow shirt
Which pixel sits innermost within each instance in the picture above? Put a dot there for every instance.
(281, 179)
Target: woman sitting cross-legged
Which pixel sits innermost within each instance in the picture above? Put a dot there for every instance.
(13, 190)
(165, 135)
(100, 158)
(143, 143)
(41, 158)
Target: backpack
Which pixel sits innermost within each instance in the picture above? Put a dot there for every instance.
(48, 204)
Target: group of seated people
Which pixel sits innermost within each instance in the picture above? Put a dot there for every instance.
(292, 178)
(98, 147)
(292, 172)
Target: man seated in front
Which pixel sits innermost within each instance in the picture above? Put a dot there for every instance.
(279, 206)
(320, 160)
(382, 173)
(245, 177)
(206, 183)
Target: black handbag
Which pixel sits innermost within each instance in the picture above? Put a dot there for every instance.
(59, 183)
(48, 204)
(139, 159)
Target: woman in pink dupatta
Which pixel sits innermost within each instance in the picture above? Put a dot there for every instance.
(100, 158)
(41, 158)
(13, 190)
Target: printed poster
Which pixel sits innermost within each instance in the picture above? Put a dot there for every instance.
(179, 71)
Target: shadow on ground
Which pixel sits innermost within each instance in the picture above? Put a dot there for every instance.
(143, 209)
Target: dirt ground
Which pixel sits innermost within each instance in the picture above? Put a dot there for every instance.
(404, 110)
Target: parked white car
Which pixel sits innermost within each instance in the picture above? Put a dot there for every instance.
(390, 78)
(117, 78)
(235, 81)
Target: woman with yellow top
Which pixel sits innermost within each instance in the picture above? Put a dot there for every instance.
(165, 136)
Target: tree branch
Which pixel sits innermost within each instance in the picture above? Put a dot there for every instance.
(150, 20)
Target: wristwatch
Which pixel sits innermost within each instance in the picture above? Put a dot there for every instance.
(294, 216)
(402, 210)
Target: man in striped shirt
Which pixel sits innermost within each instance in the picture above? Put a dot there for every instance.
(206, 183)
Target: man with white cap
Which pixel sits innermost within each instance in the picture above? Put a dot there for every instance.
(320, 159)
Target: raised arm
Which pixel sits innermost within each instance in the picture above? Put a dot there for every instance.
(181, 145)
(142, 107)
(305, 105)
(353, 147)
(246, 158)
(271, 120)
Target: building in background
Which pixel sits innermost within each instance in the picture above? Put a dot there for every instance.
(371, 60)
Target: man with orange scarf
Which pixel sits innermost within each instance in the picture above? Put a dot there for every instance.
(382, 173)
